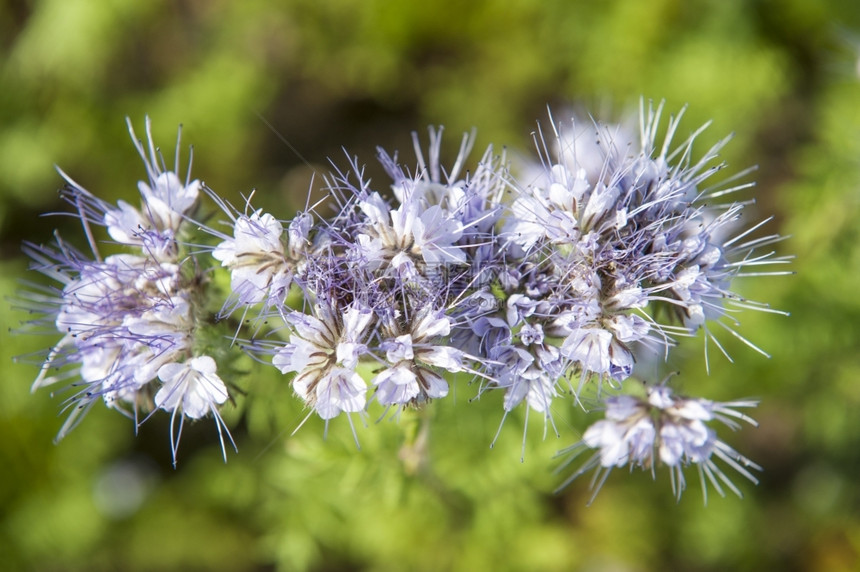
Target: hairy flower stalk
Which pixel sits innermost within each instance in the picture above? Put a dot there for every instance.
(550, 281)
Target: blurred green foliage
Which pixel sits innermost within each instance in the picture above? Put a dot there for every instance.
(353, 74)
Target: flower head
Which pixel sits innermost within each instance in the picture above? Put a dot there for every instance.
(128, 320)
(663, 428)
(632, 250)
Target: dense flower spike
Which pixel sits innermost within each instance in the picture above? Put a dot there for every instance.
(636, 233)
(552, 279)
(129, 321)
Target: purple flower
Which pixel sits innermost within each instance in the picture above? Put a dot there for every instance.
(667, 429)
(122, 319)
(129, 319)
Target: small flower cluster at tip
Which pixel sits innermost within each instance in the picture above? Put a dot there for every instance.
(129, 320)
(663, 428)
(548, 278)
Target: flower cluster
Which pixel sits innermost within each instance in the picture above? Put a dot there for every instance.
(674, 428)
(383, 280)
(129, 320)
(553, 278)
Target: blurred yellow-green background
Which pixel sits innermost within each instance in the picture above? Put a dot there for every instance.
(784, 76)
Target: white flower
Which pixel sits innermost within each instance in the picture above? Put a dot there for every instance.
(125, 223)
(428, 234)
(397, 384)
(434, 235)
(628, 328)
(192, 389)
(339, 390)
(168, 199)
(600, 204)
(622, 443)
(323, 352)
(410, 356)
(165, 201)
(192, 386)
(589, 347)
(550, 209)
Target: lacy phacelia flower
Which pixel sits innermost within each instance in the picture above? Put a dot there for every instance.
(664, 429)
(165, 202)
(129, 319)
(408, 260)
(438, 220)
(122, 319)
(192, 389)
(408, 377)
(407, 234)
(323, 352)
(257, 258)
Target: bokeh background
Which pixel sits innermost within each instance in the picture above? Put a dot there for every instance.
(328, 75)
